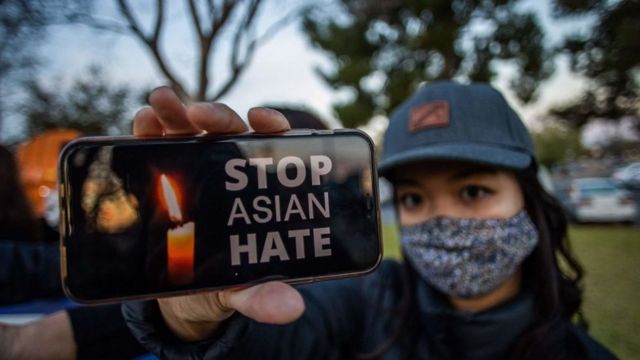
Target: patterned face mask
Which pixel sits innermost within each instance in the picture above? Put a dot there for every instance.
(468, 257)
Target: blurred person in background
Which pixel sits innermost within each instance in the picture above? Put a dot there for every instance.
(37, 159)
(17, 219)
(29, 266)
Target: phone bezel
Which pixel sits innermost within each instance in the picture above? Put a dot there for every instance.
(64, 205)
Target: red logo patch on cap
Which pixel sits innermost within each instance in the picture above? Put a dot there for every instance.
(429, 115)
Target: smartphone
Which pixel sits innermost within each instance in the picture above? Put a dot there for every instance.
(144, 218)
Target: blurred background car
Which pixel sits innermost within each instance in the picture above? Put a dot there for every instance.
(600, 200)
(629, 175)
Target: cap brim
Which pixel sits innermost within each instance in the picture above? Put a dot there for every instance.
(476, 153)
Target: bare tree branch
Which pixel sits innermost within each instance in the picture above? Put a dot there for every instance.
(196, 19)
(226, 4)
(206, 44)
(159, 20)
(133, 23)
(205, 47)
(152, 43)
(274, 28)
(212, 9)
(101, 24)
(219, 21)
(212, 20)
(238, 66)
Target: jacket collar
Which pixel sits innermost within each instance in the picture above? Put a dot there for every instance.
(488, 334)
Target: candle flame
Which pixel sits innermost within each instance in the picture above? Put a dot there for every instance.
(170, 199)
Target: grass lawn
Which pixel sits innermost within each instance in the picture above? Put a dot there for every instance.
(611, 258)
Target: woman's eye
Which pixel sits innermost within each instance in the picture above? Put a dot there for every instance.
(410, 200)
(474, 192)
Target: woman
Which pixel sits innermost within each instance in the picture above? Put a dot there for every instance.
(481, 240)
(25, 260)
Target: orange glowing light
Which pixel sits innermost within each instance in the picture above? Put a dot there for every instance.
(180, 249)
(170, 199)
(43, 191)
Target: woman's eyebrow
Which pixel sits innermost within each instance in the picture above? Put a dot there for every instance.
(474, 171)
(405, 181)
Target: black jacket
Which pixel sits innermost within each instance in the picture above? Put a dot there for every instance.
(345, 318)
(28, 271)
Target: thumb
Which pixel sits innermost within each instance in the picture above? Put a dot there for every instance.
(272, 302)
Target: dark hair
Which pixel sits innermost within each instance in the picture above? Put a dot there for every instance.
(557, 289)
(16, 215)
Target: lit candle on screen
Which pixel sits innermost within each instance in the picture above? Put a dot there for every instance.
(180, 239)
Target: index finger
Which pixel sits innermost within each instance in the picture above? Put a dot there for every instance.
(171, 112)
(215, 118)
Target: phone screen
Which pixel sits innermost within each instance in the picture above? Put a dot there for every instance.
(145, 217)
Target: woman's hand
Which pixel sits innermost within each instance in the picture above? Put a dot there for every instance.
(196, 317)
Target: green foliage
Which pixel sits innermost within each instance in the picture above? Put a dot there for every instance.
(557, 144)
(609, 56)
(91, 105)
(383, 51)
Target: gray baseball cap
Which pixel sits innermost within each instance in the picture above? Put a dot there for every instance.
(450, 121)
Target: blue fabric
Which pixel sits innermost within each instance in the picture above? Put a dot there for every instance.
(481, 128)
(43, 306)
